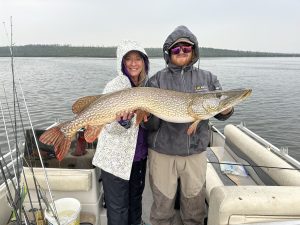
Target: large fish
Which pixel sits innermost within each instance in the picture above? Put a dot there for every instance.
(94, 112)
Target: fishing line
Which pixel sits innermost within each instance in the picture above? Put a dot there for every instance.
(30, 166)
(8, 109)
(9, 193)
(15, 189)
(249, 165)
(14, 103)
(39, 153)
(7, 138)
(23, 173)
(265, 144)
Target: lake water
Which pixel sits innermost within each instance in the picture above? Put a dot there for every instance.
(51, 85)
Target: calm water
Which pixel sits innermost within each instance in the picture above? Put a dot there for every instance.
(51, 85)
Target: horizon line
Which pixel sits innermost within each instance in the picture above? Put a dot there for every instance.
(103, 46)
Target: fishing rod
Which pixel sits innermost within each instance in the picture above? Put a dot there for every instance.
(9, 148)
(7, 105)
(23, 173)
(17, 190)
(14, 105)
(10, 198)
(25, 180)
(39, 153)
(15, 130)
(18, 201)
(29, 165)
(255, 166)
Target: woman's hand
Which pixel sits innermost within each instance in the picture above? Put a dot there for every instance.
(125, 115)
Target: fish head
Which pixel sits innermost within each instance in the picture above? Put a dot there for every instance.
(209, 104)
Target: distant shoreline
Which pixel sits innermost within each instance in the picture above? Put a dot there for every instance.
(110, 52)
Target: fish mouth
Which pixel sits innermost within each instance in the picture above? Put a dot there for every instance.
(241, 94)
(236, 96)
(247, 93)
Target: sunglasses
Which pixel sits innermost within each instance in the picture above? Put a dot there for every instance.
(185, 49)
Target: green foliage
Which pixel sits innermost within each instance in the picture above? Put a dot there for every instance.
(110, 52)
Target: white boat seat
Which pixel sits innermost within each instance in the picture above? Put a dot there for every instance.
(5, 210)
(253, 204)
(255, 154)
(61, 179)
(215, 177)
(223, 156)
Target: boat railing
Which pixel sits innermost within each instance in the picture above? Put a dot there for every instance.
(216, 130)
(282, 153)
(287, 222)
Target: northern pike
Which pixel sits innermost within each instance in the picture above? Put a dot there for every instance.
(94, 112)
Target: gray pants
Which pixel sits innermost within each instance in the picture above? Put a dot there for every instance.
(164, 171)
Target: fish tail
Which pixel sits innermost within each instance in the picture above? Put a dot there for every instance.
(54, 136)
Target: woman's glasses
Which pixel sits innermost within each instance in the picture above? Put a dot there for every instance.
(185, 49)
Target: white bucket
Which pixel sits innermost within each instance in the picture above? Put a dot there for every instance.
(68, 210)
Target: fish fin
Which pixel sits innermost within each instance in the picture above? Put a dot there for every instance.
(92, 132)
(84, 102)
(192, 129)
(140, 116)
(54, 136)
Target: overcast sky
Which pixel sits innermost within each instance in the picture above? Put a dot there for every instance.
(254, 25)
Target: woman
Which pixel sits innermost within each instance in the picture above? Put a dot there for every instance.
(122, 148)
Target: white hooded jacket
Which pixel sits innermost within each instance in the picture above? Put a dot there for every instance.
(116, 144)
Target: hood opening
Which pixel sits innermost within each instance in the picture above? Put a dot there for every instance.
(125, 71)
(180, 32)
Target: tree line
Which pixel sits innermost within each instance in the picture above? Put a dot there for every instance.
(110, 52)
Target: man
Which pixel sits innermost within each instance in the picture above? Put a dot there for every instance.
(173, 153)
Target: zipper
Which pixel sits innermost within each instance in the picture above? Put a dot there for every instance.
(154, 141)
(188, 144)
(185, 90)
(182, 79)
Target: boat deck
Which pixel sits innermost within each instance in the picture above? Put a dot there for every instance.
(263, 196)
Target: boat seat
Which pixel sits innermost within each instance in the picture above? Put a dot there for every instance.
(5, 209)
(60, 179)
(253, 204)
(82, 184)
(224, 156)
(253, 153)
(214, 175)
(73, 173)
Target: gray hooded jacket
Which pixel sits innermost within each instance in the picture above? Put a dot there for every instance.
(171, 138)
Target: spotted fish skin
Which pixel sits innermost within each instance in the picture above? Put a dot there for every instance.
(171, 106)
